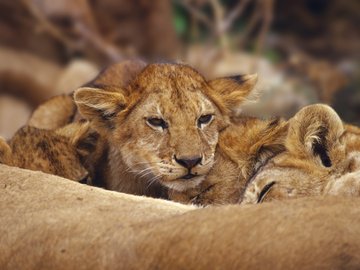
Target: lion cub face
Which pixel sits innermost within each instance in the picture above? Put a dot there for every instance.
(171, 135)
(166, 124)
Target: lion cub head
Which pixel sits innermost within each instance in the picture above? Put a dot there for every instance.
(316, 154)
(65, 152)
(165, 125)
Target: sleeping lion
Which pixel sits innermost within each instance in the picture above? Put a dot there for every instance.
(71, 151)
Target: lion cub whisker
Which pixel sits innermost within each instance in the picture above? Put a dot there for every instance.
(153, 180)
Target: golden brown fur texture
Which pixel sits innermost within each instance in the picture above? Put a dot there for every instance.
(312, 154)
(58, 112)
(163, 128)
(5, 151)
(142, 155)
(242, 149)
(70, 152)
(54, 113)
(49, 223)
(61, 110)
(352, 138)
(321, 158)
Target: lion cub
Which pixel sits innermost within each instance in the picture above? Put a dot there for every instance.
(70, 152)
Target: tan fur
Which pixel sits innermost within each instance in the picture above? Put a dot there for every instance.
(261, 160)
(5, 151)
(134, 163)
(49, 223)
(70, 152)
(321, 158)
(352, 138)
(54, 113)
(61, 110)
(347, 185)
(142, 156)
(241, 151)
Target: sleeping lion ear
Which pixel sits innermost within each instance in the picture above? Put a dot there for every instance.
(99, 106)
(315, 132)
(235, 91)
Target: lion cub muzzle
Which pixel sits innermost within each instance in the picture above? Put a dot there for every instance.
(188, 163)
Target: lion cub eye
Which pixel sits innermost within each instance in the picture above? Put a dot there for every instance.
(204, 120)
(157, 122)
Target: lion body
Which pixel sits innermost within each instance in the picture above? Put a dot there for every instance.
(80, 227)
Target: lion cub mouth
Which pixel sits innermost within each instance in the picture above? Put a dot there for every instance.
(188, 176)
(185, 182)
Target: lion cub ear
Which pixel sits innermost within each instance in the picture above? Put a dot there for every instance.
(86, 141)
(99, 106)
(235, 91)
(315, 133)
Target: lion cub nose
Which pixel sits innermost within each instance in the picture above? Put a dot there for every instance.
(188, 162)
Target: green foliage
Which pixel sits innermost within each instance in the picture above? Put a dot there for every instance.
(180, 21)
(273, 56)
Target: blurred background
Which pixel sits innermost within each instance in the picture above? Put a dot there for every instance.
(305, 51)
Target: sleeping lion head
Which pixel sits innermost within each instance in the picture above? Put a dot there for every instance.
(321, 157)
(165, 124)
